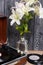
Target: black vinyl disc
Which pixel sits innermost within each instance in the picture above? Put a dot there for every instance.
(33, 58)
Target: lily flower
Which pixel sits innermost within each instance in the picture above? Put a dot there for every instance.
(15, 17)
(23, 8)
(41, 13)
(20, 12)
(20, 7)
(28, 7)
(19, 4)
(29, 1)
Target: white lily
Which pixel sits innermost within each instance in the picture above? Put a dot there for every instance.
(41, 13)
(28, 7)
(25, 9)
(20, 12)
(19, 4)
(21, 8)
(15, 17)
(29, 1)
(40, 4)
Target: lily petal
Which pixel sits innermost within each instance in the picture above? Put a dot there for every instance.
(41, 13)
(31, 9)
(12, 22)
(13, 11)
(18, 22)
(30, 2)
(11, 16)
(18, 5)
(20, 12)
(40, 4)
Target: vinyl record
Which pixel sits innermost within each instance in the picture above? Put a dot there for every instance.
(33, 58)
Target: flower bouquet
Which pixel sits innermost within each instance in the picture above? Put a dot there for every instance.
(21, 14)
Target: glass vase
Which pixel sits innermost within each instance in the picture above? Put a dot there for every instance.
(22, 46)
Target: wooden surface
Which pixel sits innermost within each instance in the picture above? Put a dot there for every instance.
(37, 52)
(24, 60)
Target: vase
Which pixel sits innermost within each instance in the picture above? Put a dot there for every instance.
(22, 46)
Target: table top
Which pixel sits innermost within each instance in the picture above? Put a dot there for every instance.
(24, 60)
(37, 52)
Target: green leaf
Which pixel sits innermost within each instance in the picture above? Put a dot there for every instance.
(23, 28)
